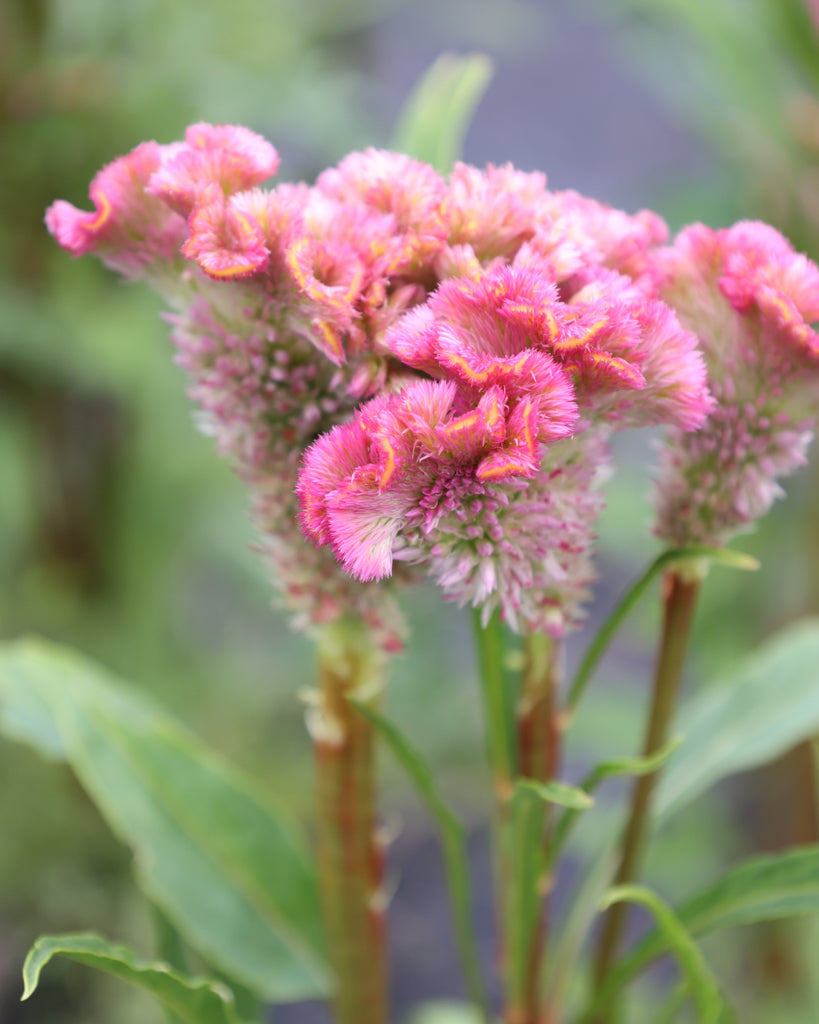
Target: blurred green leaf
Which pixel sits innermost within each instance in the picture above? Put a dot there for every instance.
(762, 710)
(444, 1013)
(224, 867)
(453, 840)
(636, 766)
(191, 1000)
(435, 118)
(553, 792)
(762, 889)
(605, 770)
(691, 555)
(700, 981)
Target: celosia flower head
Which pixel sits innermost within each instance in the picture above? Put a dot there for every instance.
(752, 300)
(451, 472)
(495, 332)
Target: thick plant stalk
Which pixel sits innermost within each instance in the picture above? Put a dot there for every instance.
(539, 730)
(522, 742)
(681, 593)
(350, 853)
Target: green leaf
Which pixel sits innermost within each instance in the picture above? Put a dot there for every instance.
(553, 792)
(700, 981)
(696, 556)
(453, 840)
(605, 770)
(444, 1013)
(631, 765)
(191, 1000)
(761, 889)
(433, 123)
(765, 708)
(209, 851)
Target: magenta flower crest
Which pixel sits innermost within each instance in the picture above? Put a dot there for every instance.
(496, 333)
(475, 473)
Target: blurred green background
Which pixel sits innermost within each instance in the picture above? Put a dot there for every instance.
(122, 534)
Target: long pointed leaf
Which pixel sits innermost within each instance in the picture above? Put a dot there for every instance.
(435, 118)
(761, 889)
(766, 707)
(700, 981)
(219, 861)
(191, 1000)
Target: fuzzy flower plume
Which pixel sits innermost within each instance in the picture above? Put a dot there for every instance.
(451, 354)
(475, 472)
(753, 301)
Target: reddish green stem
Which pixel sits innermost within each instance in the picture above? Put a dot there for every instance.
(349, 852)
(539, 731)
(680, 601)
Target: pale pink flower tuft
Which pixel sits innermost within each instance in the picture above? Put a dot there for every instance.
(751, 299)
(232, 158)
(472, 474)
(411, 191)
(492, 211)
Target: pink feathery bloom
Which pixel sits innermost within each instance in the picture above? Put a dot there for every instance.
(574, 233)
(229, 157)
(751, 299)
(608, 337)
(270, 291)
(530, 311)
(475, 473)
(492, 211)
(412, 192)
(128, 229)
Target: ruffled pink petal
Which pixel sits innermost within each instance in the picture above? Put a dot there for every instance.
(328, 462)
(364, 522)
(228, 156)
(225, 241)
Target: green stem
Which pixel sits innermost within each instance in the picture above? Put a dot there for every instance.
(539, 734)
(497, 700)
(693, 554)
(350, 854)
(680, 601)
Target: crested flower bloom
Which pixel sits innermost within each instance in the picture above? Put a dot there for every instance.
(475, 473)
(752, 300)
(495, 332)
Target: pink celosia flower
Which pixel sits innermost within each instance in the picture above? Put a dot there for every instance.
(608, 337)
(574, 233)
(290, 305)
(224, 240)
(751, 300)
(449, 472)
